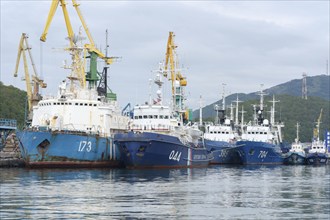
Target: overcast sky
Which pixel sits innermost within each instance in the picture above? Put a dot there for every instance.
(239, 43)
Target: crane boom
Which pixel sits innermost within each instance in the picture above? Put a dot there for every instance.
(317, 129)
(90, 47)
(92, 74)
(33, 96)
(170, 61)
(51, 14)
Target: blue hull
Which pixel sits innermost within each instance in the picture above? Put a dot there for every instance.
(222, 152)
(317, 159)
(295, 158)
(57, 149)
(255, 152)
(152, 150)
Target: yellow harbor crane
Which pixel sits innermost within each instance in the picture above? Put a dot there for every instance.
(316, 131)
(91, 48)
(33, 95)
(171, 63)
(177, 79)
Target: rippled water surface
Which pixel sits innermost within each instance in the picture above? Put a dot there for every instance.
(218, 192)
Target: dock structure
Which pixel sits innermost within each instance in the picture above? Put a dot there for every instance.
(10, 155)
(7, 126)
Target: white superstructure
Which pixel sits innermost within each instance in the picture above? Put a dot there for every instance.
(261, 129)
(84, 112)
(159, 118)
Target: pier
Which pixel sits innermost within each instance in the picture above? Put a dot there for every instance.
(10, 155)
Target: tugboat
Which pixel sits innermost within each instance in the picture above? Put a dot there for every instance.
(261, 141)
(219, 138)
(317, 154)
(75, 128)
(159, 136)
(297, 154)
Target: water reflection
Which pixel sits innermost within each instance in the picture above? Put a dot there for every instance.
(218, 192)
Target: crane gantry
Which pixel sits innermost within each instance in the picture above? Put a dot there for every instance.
(33, 94)
(92, 75)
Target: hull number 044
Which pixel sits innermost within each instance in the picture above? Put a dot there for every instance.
(175, 155)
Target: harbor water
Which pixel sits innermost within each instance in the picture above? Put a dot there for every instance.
(216, 192)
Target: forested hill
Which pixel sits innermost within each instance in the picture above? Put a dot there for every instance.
(12, 103)
(317, 86)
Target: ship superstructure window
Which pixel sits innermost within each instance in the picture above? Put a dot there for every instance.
(150, 116)
(166, 116)
(145, 116)
(161, 117)
(156, 116)
(140, 116)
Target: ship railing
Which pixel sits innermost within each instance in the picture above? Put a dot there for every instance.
(66, 130)
(8, 123)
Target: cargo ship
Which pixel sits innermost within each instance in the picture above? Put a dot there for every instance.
(75, 128)
(160, 136)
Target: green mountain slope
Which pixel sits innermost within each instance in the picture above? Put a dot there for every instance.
(12, 103)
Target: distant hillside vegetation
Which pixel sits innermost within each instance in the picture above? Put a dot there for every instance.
(317, 86)
(12, 103)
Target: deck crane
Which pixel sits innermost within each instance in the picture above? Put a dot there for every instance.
(33, 95)
(178, 80)
(316, 130)
(92, 74)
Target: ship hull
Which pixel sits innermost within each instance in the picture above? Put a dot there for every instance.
(221, 151)
(46, 149)
(317, 159)
(255, 152)
(152, 150)
(295, 158)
